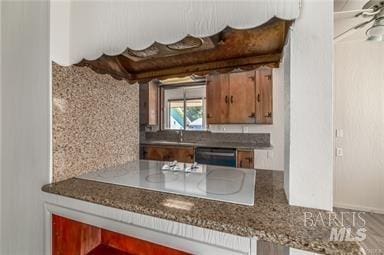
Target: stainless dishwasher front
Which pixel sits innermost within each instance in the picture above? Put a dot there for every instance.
(216, 156)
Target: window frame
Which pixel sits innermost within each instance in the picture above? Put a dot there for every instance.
(184, 99)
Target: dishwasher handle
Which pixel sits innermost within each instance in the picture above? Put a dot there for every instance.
(221, 154)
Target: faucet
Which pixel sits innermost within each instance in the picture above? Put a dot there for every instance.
(180, 133)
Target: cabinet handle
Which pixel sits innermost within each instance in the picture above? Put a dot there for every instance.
(231, 99)
(268, 115)
(209, 116)
(258, 98)
(226, 99)
(253, 115)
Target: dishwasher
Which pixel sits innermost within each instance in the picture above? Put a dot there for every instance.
(216, 156)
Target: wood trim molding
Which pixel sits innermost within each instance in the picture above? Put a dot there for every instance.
(226, 51)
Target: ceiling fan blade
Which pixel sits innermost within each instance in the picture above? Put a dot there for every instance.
(352, 30)
(349, 14)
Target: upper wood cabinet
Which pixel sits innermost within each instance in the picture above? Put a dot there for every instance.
(149, 104)
(264, 102)
(217, 98)
(240, 98)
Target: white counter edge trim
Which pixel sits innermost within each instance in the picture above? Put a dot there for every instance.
(172, 234)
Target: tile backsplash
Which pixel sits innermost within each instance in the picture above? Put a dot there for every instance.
(259, 139)
(95, 121)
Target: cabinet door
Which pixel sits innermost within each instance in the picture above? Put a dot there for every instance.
(217, 99)
(155, 153)
(149, 104)
(242, 98)
(166, 153)
(264, 96)
(182, 154)
(245, 159)
(143, 103)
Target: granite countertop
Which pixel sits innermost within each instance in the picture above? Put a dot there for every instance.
(237, 145)
(270, 219)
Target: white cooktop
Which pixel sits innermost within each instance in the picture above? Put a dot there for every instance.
(227, 184)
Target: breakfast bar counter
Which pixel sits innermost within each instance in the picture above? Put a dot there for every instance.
(270, 219)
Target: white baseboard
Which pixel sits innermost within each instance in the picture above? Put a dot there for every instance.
(359, 208)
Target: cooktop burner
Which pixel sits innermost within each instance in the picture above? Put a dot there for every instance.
(227, 184)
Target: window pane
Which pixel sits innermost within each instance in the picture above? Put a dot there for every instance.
(194, 114)
(176, 114)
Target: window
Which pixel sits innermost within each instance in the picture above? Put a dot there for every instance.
(184, 107)
(176, 114)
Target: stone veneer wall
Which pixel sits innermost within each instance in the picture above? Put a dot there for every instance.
(95, 121)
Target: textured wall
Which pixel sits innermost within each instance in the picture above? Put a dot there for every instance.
(25, 124)
(359, 111)
(311, 123)
(95, 121)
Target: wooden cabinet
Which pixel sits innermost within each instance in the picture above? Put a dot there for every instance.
(168, 153)
(149, 104)
(217, 98)
(245, 159)
(240, 98)
(71, 237)
(264, 101)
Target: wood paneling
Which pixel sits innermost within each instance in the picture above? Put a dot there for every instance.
(169, 153)
(245, 159)
(73, 238)
(106, 250)
(227, 50)
(217, 98)
(242, 98)
(135, 246)
(70, 237)
(264, 100)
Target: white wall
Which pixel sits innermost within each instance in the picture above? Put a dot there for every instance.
(311, 122)
(25, 130)
(1, 142)
(60, 13)
(359, 111)
(275, 161)
(287, 112)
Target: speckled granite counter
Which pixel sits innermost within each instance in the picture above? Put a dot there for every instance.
(270, 219)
